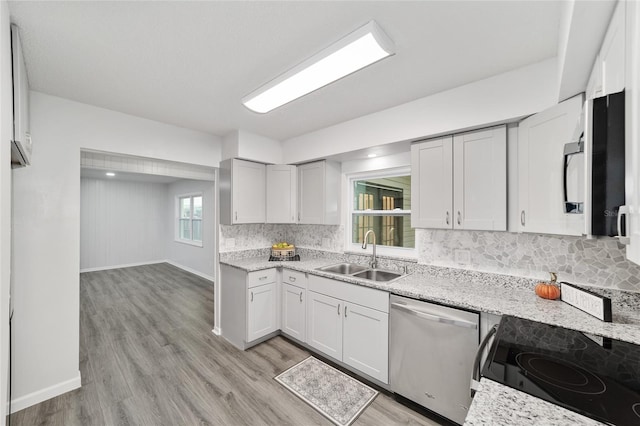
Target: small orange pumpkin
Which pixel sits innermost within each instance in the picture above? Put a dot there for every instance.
(549, 290)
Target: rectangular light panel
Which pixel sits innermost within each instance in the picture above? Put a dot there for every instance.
(363, 47)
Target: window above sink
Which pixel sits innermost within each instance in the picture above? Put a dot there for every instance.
(381, 200)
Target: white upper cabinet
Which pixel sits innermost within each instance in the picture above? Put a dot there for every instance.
(319, 193)
(612, 53)
(608, 74)
(460, 182)
(541, 140)
(480, 180)
(432, 183)
(242, 192)
(632, 130)
(282, 193)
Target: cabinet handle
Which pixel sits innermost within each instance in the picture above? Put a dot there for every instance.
(292, 279)
(345, 311)
(236, 215)
(338, 309)
(522, 217)
(252, 296)
(263, 278)
(459, 218)
(447, 218)
(300, 297)
(298, 217)
(622, 236)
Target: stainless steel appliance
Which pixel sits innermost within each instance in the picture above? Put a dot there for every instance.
(593, 375)
(604, 148)
(432, 349)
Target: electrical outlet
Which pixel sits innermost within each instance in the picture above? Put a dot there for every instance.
(462, 256)
(326, 243)
(230, 242)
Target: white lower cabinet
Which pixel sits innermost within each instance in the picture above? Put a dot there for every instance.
(365, 334)
(293, 320)
(251, 306)
(325, 324)
(262, 316)
(350, 332)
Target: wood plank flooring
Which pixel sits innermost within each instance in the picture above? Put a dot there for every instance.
(148, 357)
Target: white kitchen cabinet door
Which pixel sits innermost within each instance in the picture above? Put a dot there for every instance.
(261, 311)
(632, 129)
(282, 193)
(319, 193)
(366, 341)
(248, 190)
(324, 324)
(612, 53)
(480, 180)
(242, 192)
(432, 183)
(294, 312)
(541, 140)
(594, 85)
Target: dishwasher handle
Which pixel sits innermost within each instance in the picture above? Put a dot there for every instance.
(475, 372)
(433, 317)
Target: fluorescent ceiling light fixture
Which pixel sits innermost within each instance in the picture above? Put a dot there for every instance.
(372, 155)
(110, 174)
(365, 46)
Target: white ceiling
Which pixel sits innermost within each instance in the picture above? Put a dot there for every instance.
(190, 63)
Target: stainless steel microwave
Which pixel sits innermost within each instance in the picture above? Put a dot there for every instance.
(594, 169)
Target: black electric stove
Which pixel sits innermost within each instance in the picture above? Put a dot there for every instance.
(593, 375)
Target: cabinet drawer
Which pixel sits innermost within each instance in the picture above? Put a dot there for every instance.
(261, 277)
(296, 278)
(364, 296)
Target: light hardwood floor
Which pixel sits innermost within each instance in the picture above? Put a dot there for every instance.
(148, 357)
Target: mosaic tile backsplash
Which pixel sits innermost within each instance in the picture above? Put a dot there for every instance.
(599, 262)
(254, 236)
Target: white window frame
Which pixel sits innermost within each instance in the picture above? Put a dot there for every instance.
(404, 252)
(178, 218)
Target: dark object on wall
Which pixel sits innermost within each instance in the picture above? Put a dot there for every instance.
(605, 149)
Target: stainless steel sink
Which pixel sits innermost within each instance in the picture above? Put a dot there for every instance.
(377, 275)
(344, 268)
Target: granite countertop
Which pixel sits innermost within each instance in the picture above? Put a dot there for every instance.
(492, 293)
(497, 404)
(497, 294)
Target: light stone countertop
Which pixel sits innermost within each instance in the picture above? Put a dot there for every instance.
(478, 292)
(494, 404)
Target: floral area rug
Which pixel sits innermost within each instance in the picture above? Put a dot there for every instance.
(337, 396)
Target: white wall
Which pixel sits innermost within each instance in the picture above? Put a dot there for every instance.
(6, 130)
(121, 223)
(501, 98)
(200, 260)
(47, 227)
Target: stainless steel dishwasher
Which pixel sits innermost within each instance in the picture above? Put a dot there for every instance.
(432, 350)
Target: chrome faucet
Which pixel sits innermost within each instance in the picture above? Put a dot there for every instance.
(374, 261)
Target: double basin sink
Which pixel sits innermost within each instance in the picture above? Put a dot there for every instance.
(363, 272)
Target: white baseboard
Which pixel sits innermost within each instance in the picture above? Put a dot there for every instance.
(127, 265)
(191, 270)
(217, 331)
(47, 393)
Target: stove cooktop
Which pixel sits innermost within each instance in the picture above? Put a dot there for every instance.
(593, 375)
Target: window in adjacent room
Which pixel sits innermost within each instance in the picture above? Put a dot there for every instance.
(190, 219)
(382, 201)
